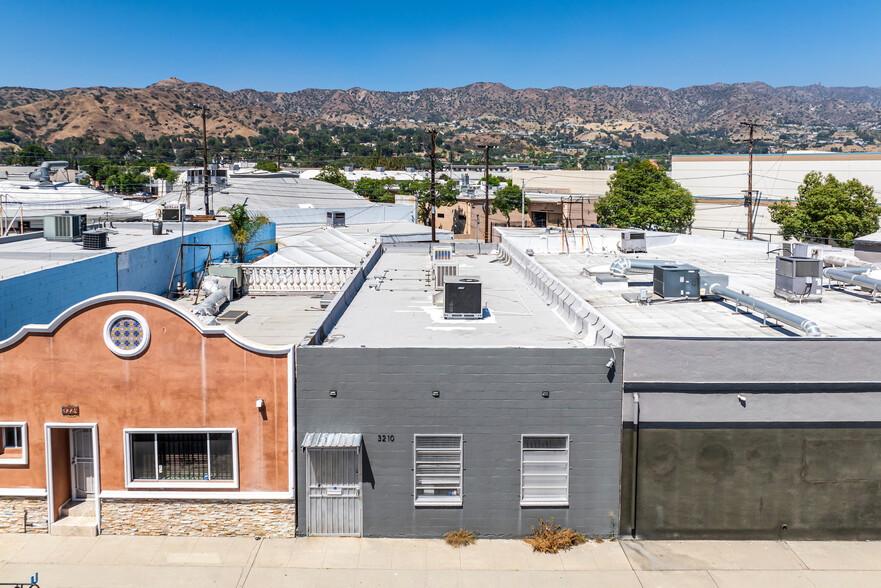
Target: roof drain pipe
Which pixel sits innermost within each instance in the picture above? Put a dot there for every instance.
(620, 266)
(809, 327)
(855, 276)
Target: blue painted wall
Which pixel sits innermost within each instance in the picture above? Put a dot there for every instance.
(38, 297)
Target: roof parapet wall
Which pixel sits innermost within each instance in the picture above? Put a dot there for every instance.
(581, 317)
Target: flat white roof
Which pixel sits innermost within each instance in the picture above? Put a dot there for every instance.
(750, 266)
(395, 308)
(35, 254)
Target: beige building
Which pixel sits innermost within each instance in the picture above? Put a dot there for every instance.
(467, 219)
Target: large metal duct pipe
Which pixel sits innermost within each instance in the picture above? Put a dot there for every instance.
(855, 276)
(42, 175)
(809, 327)
(624, 265)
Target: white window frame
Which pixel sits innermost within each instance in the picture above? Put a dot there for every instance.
(23, 458)
(544, 501)
(159, 484)
(447, 501)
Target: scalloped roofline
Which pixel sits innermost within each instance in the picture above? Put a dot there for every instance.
(159, 301)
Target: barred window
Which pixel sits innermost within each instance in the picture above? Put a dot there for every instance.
(544, 472)
(182, 456)
(437, 470)
(12, 437)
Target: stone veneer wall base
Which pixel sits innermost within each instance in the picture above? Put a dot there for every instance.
(19, 514)
(201, 518)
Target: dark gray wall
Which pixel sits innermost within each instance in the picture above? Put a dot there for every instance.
(491, 396)
(779, 483)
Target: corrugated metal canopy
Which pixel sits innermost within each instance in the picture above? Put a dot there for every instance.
(320, 440)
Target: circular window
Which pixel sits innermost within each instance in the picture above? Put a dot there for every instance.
(126, 334)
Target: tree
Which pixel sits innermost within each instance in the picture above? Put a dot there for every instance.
(509, 199)
(244, 227)
(446, 194)
(164, 172)
(642, 195)
(267, 165)
(828, 208)
(376, 190)
(32, 154)
(332, 175)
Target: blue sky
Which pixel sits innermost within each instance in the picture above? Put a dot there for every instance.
(286, 46)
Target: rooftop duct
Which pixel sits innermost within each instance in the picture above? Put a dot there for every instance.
(717, 285)
(42, 175)
(856, 276)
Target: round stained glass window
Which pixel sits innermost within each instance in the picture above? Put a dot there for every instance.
(126, 334)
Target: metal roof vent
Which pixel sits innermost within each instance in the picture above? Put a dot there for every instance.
(633, 242)
(799, 279)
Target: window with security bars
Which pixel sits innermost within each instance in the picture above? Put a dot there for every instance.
(437, 470)
(544, 472)
(203, 457)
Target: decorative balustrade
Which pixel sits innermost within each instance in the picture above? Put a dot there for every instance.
(267, 279)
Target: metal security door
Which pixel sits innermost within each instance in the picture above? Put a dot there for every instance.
(333, 504)
(83, 464)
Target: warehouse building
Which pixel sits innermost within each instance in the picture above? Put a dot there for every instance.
(749, 408)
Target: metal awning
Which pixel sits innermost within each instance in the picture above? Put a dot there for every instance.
(329, 440)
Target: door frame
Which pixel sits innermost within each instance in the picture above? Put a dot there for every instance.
(360, 473)
(50, 498)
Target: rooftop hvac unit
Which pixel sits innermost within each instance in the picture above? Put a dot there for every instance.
(462, 298)
(799, 279)
(676, 281)
(175, 212)
(442, 254)
(95, 239)
(444, 271)
(808, 250)
(786, 249)
(381, 170)
(336, 219)
(632, 242)
(64, 227)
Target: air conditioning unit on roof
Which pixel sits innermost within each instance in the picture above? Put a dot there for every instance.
(442, 271)
(463, 298)
(442, 254)
(64, 227)
(633, 242)
(799, 279)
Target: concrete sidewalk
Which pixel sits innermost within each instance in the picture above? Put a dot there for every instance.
(193, 561)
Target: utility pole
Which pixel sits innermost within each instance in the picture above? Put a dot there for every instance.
(749, 188)
(486, 234)
(433, 134)
(205, 159)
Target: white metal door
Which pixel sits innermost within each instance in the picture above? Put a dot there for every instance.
(333, 502)
(83, 463)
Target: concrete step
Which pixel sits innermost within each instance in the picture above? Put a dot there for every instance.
(75, 527)
(83, 508)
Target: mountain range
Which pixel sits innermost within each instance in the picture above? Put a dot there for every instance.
(167, 107)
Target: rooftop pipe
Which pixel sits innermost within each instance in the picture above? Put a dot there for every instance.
(620, 266)
(855, 276)
(42, 174)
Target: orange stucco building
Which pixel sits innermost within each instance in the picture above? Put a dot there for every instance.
(127, 409)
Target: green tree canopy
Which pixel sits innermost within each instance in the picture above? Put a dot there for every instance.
(642, 195)
(244, 227)
(377, 190)
(828, 208)
(267, 165)
(32, 154)
(332, 175)
(509, 199)
(446, 194)
(164, 172)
